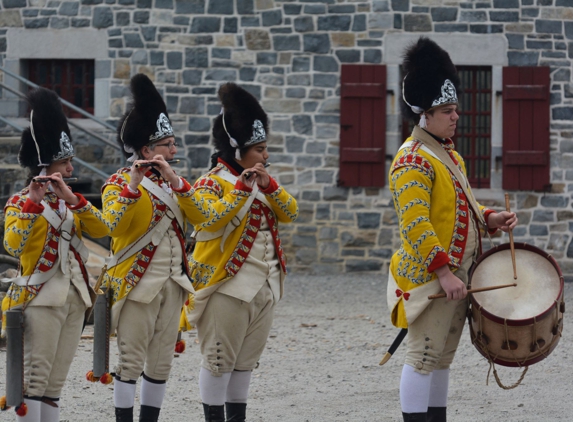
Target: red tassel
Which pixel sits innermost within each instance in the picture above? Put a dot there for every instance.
(180, 346)
(22, 410)
(106, 379)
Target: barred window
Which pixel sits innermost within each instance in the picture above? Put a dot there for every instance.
(72, 80)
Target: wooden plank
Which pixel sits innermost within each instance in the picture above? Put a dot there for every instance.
(362, 155)
(363, 90)
(525, 92)
(525, 158)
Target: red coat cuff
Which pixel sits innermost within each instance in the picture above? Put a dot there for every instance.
(273, 186)
(439, 260)
(241, 186)
(185, 186)
(126, 193)
(486, 216)
(82, 203)
(30, 207)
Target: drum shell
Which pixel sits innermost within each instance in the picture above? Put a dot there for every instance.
(530, 340)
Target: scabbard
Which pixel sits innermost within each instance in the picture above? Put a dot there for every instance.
(397, 341)
(102, 316)
(14, 357)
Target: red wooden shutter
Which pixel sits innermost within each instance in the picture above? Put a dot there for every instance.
(362, 126)
(526, 128)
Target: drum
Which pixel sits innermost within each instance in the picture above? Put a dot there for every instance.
(516, 326)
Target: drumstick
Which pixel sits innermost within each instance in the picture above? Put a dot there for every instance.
(511, 240)
(44, 179)
(138, 165)
(477, 290)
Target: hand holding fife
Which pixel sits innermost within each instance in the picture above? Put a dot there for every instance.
(62, 190)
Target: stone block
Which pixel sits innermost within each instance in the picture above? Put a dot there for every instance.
(525, 58)
(530, 12)
(200, 156)
(272, 17)
(380, 6)
(102, 17)
(325, 80)
(248, 21)
(69, 8)
(310, 106)
(197, 139)
(301, 64)
(144, 4)
(230, 25)
(196, 57)
(355, 265)
(164, 4)
(267, 58)
(227, 75)
(444, 14)
(286, 42)
(300, 80)
(218, 7)
(139, 57)
(504, 16)
(191, 7)
(316, 43)
(348, 56)
(205, 25)
(325, 64)
(292, 9)
(322, 212)
(400, 5)
(10, 4)
(543, 216)
(59, 23)
(334, 193)
(314, 147)
(192, 77)
(174, 60)
(451, 27)
(515, 41)
(304, 24)
(554, 201)
(359, 23)
(373, 56)
(192, 105)
(368, 220)
(294, 144)
(149, 33)
(473, 16)
(538, 230)
(245, 7)
(506, 4)
(295, 93)
(334, 23)
(257, 39)
(247, 74)
(36, 23)
(562, 113)
(353, 252)
(417, 23)
(133, 40)
(122, 19)
(324, 176)
(548, 26)
(314, 9)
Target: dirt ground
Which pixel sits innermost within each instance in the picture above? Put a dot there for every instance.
(321, 364)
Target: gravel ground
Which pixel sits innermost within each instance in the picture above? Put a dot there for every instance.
(321, 364)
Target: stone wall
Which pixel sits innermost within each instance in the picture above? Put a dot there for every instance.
(289, 53)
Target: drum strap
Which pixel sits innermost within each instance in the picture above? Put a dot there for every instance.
(439, 152)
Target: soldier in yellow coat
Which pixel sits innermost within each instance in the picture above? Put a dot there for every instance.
(439, 222)
(146, 207)
(43, 228)
(238, 262)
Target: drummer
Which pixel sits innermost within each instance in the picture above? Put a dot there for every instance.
(439, 223)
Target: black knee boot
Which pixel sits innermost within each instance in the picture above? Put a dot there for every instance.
(148, 413)
(436, 414)
(214, 413)
(415, 417)
(123, 414)
(236, 412)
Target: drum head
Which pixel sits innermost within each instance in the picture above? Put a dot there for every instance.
(538, 284)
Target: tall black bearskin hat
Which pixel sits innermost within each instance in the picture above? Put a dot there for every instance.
(242, 122)
(48, 138)
(430, 79)
(146, 120)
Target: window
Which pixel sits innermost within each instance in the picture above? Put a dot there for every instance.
(473, 133)
(72, 80)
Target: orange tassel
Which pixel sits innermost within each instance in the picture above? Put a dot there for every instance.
(3, 403)
(106, 379)
(180, 346)
(22, 410)
(90, 377)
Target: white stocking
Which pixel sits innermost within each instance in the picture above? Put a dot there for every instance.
(439, 388)
(213, 389)
(414, 390)
(238, 388)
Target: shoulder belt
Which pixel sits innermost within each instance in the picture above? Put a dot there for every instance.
(203, 236)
